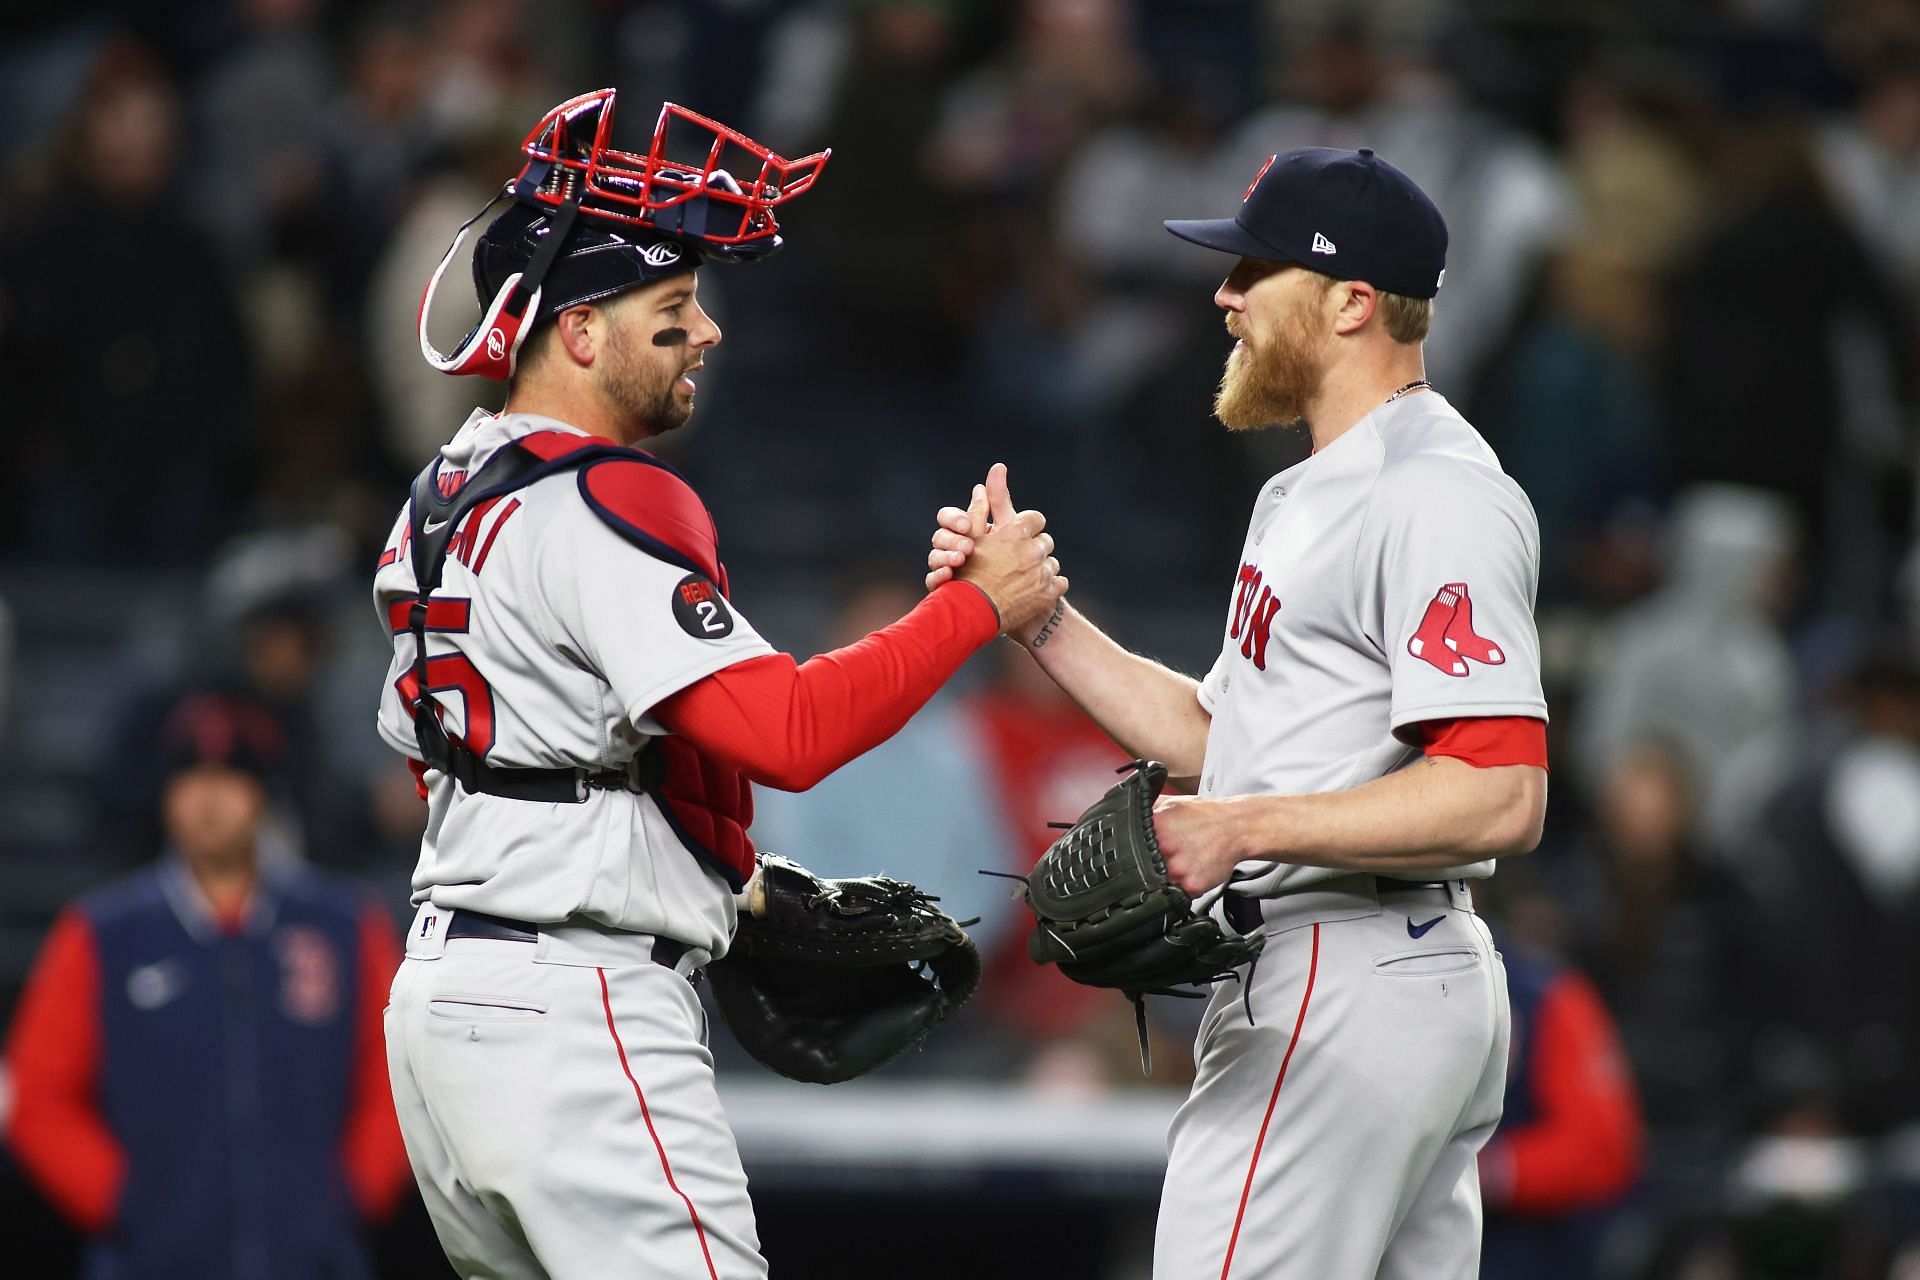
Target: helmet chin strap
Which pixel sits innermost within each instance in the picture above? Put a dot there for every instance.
(492, 347)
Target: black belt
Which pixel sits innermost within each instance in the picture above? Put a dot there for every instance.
(478, 924)
(548, 786)
(1388, 884)
(1243, 913)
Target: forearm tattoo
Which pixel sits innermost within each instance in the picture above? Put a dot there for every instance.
(1046, 630)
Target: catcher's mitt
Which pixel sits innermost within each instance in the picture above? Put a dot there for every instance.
(1108, 915)
(828, 979)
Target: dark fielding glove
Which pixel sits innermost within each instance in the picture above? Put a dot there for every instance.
(828, 979)
(1109, 917)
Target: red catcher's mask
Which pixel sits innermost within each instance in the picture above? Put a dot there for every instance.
(700, 203)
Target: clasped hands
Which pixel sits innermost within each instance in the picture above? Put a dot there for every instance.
(1009, 556)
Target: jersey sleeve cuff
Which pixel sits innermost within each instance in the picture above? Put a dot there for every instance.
(1486, 742)
(968, 611)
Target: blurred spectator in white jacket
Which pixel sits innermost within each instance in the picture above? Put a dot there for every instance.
(1701, 663)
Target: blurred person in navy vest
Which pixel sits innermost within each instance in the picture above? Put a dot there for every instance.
(1572, 1141)
(267, 638)
(1666, 935)
(198, 1065)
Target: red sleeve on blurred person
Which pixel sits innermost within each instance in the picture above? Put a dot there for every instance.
(53, 1054)
(1486, 742)
(788, 726)
(1585, 1147)
(374, 1156)
(419, 770)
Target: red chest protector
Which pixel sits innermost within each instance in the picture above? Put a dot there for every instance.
(647, 502)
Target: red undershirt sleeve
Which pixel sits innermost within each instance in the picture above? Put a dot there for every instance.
(371, 1150)
(1584, 1149)
(789, 725)
(1487, 742)
(53, 1056)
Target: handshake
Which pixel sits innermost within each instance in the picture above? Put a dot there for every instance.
(1007, 554)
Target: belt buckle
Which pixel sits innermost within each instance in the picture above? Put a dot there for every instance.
(622, 777)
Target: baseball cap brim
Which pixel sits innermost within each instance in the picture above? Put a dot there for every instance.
(1224, 234)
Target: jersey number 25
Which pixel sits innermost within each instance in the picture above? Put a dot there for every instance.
(450, 673)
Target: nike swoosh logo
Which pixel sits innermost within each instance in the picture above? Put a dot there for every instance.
(1420, 931)
(433, 526)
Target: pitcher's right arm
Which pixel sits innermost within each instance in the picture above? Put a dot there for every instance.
(1151, 710)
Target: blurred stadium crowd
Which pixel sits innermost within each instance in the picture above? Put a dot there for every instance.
(1680, 303)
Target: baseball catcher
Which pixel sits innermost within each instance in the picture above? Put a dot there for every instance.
(588, 708)
(1108, 915)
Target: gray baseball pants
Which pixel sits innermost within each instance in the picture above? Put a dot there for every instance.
(558, 1105)
(1335, 1138)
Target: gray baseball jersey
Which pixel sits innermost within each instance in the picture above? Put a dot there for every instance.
(1346, 1083)
(572, 635)
(557, 1095)
(1386, 580)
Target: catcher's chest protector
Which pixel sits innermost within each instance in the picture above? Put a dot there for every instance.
(709, 805)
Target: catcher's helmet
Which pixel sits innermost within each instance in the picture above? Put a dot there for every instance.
(588, 222)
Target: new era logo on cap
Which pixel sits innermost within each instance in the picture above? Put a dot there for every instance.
(1322, 245)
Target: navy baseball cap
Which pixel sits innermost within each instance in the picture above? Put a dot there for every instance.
(1347, 214)
(214, 728)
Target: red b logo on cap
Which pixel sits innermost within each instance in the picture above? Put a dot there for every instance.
(1256, 177)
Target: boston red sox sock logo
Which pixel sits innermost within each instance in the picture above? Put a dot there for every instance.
(1446, 638)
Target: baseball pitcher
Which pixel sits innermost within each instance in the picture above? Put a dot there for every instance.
(1370, 739)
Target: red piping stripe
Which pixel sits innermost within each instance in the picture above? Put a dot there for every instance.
(1313, 968)
(606, 1002)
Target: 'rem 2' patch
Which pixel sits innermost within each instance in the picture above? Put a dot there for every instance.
(700, 609)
